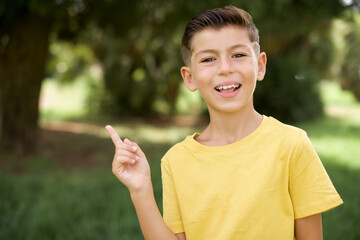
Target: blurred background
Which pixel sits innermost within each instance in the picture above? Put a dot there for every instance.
(69, 67)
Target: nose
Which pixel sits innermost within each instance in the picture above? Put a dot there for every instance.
(226, 66)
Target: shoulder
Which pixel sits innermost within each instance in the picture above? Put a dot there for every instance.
(179, 149)
(285, 133)
(281, 128)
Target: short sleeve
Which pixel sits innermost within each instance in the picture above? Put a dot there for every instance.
(310, 187)
(171, 209)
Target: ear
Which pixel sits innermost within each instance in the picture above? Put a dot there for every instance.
(188, 79)
(261, 66)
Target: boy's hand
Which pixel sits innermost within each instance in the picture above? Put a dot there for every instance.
(129, 165)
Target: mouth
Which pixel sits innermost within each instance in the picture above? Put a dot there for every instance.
(228, 88)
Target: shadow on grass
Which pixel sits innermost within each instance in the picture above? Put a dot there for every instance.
(69, 146)
(61, 150)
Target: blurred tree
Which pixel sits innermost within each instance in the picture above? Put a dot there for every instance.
(139, 61)
(25, 27)
(26, 42)
(350, 70)
(294, 34)
(143, 68)
(138, 45)
(290, 91)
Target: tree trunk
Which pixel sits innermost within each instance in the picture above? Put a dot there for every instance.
(22, 66)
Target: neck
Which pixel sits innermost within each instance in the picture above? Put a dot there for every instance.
(227, 128)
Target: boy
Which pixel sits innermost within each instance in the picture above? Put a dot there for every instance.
(246, 176)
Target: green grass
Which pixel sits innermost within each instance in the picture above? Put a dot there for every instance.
(54, 195)
(338, 145)
(336, 138)
(76, 205)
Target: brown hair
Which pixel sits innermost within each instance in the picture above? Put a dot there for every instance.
(218, 18)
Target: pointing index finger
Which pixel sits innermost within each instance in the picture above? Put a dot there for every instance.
(114, 136)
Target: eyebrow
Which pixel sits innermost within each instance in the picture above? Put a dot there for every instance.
(240, 45)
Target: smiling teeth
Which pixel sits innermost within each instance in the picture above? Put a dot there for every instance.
(228, 86)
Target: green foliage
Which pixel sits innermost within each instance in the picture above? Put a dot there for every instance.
(140, 63)
(289, 91)
(321, 54)
(350, 72)
(68, 61)
(65, 17)
(141, 70)
(137, 44)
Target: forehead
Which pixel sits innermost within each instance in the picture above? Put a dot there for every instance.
(228, 36)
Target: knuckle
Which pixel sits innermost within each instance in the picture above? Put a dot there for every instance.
(119, 148)
(128, 147)
(123, 159)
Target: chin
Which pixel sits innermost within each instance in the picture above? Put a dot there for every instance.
(233, 107)
(229, 110)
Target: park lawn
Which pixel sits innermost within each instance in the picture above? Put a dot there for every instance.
(337, 141)
(69, 192)
(338, 145)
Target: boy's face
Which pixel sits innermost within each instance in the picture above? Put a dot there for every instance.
(224, 68)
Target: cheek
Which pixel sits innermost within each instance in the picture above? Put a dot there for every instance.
(204, 69)
(250, 69)
(203, 74)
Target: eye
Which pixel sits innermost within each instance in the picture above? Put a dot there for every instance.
(239, 55)
(207, 60)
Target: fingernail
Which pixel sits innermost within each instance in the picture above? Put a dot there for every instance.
(137, 157)
(133, 148)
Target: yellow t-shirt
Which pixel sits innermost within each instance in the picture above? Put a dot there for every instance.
(251, 189)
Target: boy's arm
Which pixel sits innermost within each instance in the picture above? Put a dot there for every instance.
(130, 166)
(181, 236)
(151, 222)
(309, 228)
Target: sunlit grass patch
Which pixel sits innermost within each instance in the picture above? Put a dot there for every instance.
(337, 136)
(332, 94)
(340, 103)
(62, 101)
(336, 140)
(153, 134)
